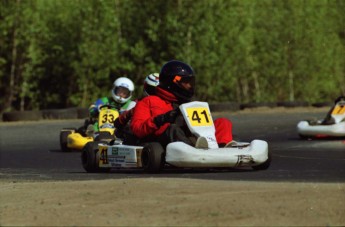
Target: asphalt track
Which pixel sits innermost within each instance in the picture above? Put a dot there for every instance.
(31, 151)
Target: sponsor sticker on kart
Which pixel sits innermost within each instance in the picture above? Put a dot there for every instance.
(199, 116)
(119, 157)
(244, 160)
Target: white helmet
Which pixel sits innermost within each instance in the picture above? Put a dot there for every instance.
(125, 85)
(150, 83)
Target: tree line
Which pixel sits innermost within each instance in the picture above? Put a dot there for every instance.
(66, 53)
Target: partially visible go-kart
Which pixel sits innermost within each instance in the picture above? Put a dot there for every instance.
(76, 139)
(332, 126)
(153, 157)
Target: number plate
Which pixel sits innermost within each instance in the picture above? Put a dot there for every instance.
(339, 109)
(107, 117)
(199, 116)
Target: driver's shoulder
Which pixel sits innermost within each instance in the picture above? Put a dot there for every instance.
(151, 99)
(104, 99)
(131, 104)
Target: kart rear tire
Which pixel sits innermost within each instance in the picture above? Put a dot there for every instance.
(152, 157)
(264, 165)
(304, 137)
(89, 158)
(63, 139)
(22, 116)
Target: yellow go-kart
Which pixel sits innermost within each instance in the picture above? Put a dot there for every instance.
(75, 139)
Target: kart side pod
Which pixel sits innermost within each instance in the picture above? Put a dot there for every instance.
(151, 157)
(182, 155)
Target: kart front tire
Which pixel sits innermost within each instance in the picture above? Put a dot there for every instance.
(303, 137)
(264, 165)
(89, 158)
(152, 157)
(63, 139)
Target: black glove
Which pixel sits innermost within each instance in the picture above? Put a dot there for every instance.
(117, 124)
(119, 133)
(168, 117)
(118, 128)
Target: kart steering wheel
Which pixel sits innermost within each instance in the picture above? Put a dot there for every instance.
(108, 106)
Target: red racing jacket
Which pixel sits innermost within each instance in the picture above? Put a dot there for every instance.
(142, 124)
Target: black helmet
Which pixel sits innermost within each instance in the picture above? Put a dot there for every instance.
(340, 98)
(174, 76)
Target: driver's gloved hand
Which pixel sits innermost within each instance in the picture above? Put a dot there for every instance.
(168, 117)
(119, 133)
(118, 124)
(118, 128)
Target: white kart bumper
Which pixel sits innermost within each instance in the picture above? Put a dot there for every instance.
(305, 129)
(182, 155)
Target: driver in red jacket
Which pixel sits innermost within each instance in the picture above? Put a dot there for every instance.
(155, 115)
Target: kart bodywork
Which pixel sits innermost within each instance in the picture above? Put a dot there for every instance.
(152, 157)
(332, 126)
(74, 139)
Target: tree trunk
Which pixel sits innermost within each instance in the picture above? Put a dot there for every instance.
(85, 93)
(8, 104)
(22, 96)
(257, 86)
(119, 29)
(291, 87)
(245, 89)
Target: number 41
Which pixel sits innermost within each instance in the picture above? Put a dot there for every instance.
(196, 117)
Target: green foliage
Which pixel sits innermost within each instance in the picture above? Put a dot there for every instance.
(57, 54)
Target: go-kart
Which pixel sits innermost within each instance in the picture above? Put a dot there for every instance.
(332, 126)
(152, 157)
(75, 139)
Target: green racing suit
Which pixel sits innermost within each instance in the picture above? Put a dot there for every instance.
(94, 108)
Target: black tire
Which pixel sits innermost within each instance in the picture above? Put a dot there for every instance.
(264, 165)
(63, 139)
(82, 113)
(70, 113)
(304, 137)
(223, 107)
(152, 157)
(22, 116)
(293, 104)
(89, 158)
(322, 104)
(257, 105)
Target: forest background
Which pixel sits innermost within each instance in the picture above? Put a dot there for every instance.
(67, 53)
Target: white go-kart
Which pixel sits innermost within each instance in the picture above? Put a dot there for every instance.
(332, 126)
(152, 157)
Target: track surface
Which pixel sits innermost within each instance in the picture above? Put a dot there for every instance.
(31, 151)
